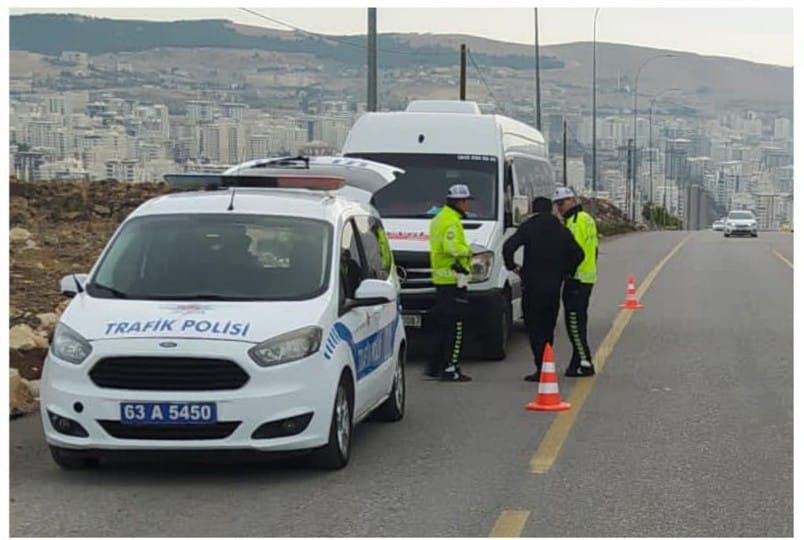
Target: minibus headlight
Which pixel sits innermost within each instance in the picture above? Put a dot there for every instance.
(482, 263)
(288, 347)
(69, 345)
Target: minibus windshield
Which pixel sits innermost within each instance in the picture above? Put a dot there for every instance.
(422, 190)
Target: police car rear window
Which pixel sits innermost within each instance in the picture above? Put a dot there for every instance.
(216, 257)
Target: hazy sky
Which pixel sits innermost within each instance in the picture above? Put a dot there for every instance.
(761, 35)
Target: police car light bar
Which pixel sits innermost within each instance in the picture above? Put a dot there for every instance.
(218, 181)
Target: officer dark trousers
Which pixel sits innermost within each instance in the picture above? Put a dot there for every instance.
(576, 305)
(450, 311)
(540, 310)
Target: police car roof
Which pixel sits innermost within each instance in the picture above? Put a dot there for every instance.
(283, 202)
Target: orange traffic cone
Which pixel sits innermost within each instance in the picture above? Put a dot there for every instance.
(548, 397)
(631, 301)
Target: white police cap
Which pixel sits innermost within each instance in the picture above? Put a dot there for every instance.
(563, 192)
(459, 191)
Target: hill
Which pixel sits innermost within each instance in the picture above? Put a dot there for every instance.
(52, 34)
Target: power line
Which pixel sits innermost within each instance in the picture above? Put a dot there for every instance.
(336, 38)
(482, 78)
(302, 30)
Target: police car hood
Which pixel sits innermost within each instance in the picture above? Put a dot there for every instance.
(414, 234)
(100, 319)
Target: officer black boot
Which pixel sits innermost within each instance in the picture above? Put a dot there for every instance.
(453, 374)
(580, 371)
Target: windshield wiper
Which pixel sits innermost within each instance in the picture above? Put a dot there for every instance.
(201, 296)
(114, 292)
(408, 216)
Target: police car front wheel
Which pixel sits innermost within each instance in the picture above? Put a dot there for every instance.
(394, 407)
(335, 454)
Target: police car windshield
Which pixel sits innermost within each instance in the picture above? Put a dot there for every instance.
(216, 257)
(420, 192)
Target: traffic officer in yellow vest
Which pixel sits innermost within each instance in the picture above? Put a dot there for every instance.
(578, 288)
(450, 261)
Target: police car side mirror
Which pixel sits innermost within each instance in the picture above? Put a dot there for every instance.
(373, 292)
(72, 284)
(521, 207)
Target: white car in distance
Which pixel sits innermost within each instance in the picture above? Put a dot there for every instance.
(740, 223)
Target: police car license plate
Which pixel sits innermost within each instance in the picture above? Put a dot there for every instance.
(412, 321)
(168, 413)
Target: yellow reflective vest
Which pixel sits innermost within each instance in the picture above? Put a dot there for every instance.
(584, 229)
(448, 246)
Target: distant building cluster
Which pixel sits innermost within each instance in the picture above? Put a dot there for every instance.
(697, 169)
(82, 135)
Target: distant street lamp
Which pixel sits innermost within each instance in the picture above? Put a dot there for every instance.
(650, 146)
(636, 146)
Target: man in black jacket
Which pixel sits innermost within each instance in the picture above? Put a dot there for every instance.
(551, 254)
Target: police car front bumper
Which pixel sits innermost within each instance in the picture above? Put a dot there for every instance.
(294, 390)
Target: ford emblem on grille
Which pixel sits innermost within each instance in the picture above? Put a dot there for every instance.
(168, 345)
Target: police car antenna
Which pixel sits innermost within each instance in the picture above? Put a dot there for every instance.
(231, 201)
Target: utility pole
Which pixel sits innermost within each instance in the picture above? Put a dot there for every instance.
(628, 181)
(538, 71)
(594, 116)
(565, 152)
(463, 71)
(371, 101)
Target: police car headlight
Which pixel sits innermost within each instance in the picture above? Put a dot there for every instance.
(288, 347)
(482, 264)
(69, 345)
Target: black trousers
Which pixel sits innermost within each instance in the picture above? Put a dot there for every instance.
(451, 305)
(540, 310)
(576, 306)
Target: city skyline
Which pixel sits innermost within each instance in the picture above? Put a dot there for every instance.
(763, 35)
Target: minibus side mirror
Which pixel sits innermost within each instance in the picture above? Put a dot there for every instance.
(521, 206)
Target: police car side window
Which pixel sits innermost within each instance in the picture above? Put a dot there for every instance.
(375, 247)
(351, 267)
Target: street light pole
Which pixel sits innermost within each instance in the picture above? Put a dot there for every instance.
(594, 115)
(650, 149)
(636, 146)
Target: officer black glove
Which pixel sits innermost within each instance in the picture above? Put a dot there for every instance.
(458, 269)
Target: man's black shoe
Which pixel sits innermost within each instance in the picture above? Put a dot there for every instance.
(533, 377)
(429, 376)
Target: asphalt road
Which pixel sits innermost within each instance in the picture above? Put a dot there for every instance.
(687, 431)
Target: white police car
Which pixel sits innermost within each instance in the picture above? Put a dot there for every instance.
(262, 317)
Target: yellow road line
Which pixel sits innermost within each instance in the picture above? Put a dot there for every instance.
(509, 524)
(548, 450)
(783, 259)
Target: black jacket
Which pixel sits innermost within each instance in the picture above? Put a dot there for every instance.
(551, 253)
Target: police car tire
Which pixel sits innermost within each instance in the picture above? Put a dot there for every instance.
(71, 459)
(330, 456)
(393, 409)
(501, 331)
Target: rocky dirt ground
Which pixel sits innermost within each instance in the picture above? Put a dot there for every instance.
(58, 228)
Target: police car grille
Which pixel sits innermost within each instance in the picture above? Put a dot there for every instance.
(167, 373)
(119, 430)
